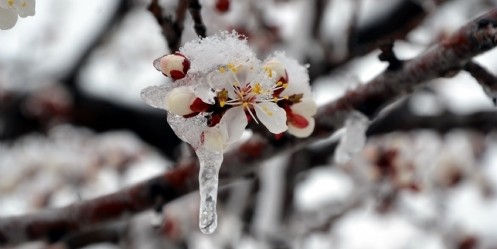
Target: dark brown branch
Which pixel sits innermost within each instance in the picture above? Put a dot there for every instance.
(317, 18)
(171, 29)
(53, 225)
(403, 120)
(451, 54)
(109, 233)
(487, 80)
(387, 54)
(194, 7)
(394, 25)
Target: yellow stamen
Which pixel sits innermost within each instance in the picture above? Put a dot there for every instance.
(269, 72)
(222, 96)
(257, 88)
(232, 67)
(222, 69)
(285, 85)
(10, 2)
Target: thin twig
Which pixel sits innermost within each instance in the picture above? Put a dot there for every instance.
(171, 29)
(486, 79)
(194, 7)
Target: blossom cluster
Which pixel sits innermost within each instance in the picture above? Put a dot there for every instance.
(11, 9)
(218, 86)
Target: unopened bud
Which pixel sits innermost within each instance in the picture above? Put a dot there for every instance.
(174, 66)
(223, 5)
(179, 100)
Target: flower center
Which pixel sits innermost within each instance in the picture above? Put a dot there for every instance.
(249, 94)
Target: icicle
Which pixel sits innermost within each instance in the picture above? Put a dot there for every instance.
(354, 138)
(210, 163)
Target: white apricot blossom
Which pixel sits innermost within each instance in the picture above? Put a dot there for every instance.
(11, 9)
(220, 81)
(216, 87)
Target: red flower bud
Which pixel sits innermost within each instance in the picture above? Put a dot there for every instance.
(174, 66)
(223, 5)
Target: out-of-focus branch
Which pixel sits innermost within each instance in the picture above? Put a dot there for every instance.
(396, 24)
(487, 80)
(441, 59)
(403, 120)
(453, 53)
(55, 224)
(194, 7)
(109, 233)
(171, 29)
(317, 18)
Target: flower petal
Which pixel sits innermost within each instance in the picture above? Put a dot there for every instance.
(222, 80)
(304, 132)
(307, 107)
(4, 4)
(25, 8)
(272, 116)
(8, 18)
(233, 124)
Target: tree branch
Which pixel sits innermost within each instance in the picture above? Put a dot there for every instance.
(487, 80)
(171, 29)
(194, 7)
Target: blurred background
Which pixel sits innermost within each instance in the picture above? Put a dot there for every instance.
(73, 127)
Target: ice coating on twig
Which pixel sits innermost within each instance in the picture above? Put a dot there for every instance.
(354, 138)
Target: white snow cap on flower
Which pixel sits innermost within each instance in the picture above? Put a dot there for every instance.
(228, 87)
(11, 9)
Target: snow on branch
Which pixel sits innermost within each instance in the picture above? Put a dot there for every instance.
(450, 55)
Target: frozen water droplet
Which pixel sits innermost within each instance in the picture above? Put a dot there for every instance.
(354, 138)
(157, 64)
(210, 163)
